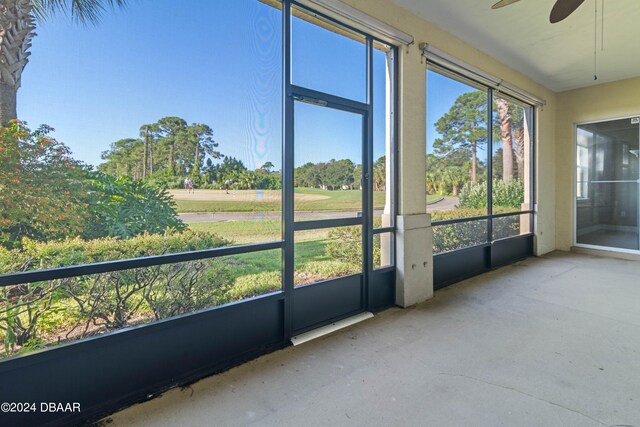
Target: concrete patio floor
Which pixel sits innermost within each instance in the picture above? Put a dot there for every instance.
(550, 341)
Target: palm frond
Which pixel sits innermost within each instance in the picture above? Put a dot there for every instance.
(81, 11)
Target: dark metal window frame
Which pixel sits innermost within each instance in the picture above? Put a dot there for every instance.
(295, 93)
(290, 92)
(465, 79)
(108, 372)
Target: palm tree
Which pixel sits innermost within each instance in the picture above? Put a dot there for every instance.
(18, 20)
(505, 123)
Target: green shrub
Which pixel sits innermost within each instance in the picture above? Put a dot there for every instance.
(505, 194)
(125, 208)
(42, 195)
(457, 213)
(42, 255)
(473, 196)
(508, 194)
(47, 195)
(345, 245)
(160, 179)
(80, 306)
(450, 237)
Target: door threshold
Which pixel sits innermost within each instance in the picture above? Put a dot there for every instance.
(332, 327)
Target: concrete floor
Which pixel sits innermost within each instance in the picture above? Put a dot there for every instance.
(551, 341)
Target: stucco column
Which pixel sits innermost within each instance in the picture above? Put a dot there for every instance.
(414, 250)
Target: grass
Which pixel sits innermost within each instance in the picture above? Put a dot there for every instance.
(257, 273)
(244, 232)
(309, 251)
(338, 200)
(241, 232)
(309, 245)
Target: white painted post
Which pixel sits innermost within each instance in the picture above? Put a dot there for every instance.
(414, 248)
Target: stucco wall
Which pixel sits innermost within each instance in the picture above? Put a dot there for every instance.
(601, 102)
(413, 109)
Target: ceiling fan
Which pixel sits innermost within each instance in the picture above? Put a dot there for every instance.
(561, 10)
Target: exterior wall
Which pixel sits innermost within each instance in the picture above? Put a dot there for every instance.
(601, 102)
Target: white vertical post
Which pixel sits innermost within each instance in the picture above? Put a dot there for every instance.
(414, 249)
(525, 223)
(385, 239)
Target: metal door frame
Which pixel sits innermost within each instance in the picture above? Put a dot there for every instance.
(574, 202)
(292, 94)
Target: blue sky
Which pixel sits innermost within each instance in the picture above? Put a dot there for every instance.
(217, 63)
(442, 93)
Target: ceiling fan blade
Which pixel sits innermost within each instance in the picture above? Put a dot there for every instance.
(563, 8)
(503, 3)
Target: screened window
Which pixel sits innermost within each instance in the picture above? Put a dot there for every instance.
(479, 157)
(172, 145)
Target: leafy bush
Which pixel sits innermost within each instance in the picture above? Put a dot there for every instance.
(457, 213)
(41, 187)
(505, 194)
(42, 255)
(450, 237)
(125, 208)
(345, 245)
(86, 305)
(508, 194)
(160, 179)
(46, 195)
(473, 196)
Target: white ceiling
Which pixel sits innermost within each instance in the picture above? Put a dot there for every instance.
(559, 56)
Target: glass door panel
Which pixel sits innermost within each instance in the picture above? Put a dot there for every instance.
(328, 253)
(328, 153)
(329, 213)
(607, 184)
(327, 163)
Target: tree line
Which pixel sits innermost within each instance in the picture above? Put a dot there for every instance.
(339, 174)
(169, 147)
(170, 150)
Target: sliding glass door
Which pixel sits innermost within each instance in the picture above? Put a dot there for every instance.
(607, 184)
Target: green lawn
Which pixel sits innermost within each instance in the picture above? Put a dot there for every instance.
(244, 232)
(241, 232)
(338, 200)
(308, 251)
